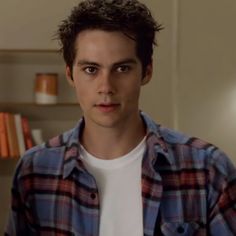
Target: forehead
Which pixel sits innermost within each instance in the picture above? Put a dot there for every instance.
(104, 45)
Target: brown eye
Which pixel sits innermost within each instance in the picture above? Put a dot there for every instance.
(123, 69)
(90, 70)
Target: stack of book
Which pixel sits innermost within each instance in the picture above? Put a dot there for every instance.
(15, 135)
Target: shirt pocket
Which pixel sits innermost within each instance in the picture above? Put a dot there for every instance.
(179, 229)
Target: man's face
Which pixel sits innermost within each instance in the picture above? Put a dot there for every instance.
(107, 76)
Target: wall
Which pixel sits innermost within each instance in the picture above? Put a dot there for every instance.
(29, 24)
(194, 84)
(207, 71)
(157, 97)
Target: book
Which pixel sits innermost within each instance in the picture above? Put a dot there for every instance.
(19, 133)
(12, 136)
(4, 150)
(27, 133)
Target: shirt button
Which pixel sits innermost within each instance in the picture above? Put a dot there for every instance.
(180, 229)
(93, 195)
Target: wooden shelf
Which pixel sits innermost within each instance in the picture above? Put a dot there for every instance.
(17, 80)
(28, 50)
(7, 166)
(32, 104)
(31, 56)
(37, 112)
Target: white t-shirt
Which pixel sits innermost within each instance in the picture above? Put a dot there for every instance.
(120, 193)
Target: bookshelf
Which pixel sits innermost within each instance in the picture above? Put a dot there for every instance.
(35, 112)
(18, 70)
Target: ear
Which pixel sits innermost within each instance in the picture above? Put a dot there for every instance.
(148, 74)
(69, 76)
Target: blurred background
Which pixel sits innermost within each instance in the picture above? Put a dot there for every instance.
(193, 89)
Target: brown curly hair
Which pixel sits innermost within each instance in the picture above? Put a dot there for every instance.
(131, 17)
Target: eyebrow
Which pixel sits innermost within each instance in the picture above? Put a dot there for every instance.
(125, 61)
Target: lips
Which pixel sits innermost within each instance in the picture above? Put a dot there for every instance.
(107, 107)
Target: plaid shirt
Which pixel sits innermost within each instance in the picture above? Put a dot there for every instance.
(188, 188)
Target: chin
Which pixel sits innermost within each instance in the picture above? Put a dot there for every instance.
(107, 123)
(109, 120)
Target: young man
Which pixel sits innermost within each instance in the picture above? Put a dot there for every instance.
(118, 173)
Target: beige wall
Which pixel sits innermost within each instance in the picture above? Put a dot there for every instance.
(194, 84)
(157, 96)
(207, 71)
(27, 24)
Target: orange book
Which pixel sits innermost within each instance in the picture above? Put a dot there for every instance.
(27, 133)
(4, 149)
(12, 136)
(19, 132)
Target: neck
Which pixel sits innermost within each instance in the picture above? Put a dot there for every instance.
(111, 143)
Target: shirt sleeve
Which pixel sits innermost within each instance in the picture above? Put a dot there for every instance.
(222, 196)
(17, 221)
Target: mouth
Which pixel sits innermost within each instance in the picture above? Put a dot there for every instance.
(109, 107)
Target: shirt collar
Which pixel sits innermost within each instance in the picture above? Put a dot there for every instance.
(72, 158)
(156, 145)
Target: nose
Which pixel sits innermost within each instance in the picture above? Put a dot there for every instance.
(105, 84)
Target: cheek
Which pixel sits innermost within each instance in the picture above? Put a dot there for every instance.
(135, 94)
(131, 97)
(83, 95)
(79, 92)
(132, 91)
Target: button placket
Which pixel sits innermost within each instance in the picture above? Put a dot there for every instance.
(180, 229)
(93, 195)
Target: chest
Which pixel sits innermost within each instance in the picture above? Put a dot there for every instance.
(73, 205)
